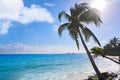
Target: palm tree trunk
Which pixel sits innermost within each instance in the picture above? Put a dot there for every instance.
(112, 60)
(91, 59)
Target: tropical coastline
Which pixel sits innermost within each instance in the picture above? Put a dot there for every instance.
(31, 47)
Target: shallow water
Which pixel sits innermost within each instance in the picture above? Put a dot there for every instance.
(50, 66)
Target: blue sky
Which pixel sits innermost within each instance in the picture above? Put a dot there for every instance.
(30, 26)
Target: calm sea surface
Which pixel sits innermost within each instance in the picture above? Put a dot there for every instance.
(50, 66)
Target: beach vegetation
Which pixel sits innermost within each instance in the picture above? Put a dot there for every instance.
(107, 76)
(112, 48)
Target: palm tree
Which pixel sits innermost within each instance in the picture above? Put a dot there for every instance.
(114, 42)
(80, 14)
(113, 48)
(97, 51)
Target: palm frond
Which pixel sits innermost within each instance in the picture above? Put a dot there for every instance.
(73, 32)
(91, 16)
(88, 33)
(80, 8)
(72, 12)
(77, 42)
(74, 36)
(62, 28)
(67, 16)
(97, 51)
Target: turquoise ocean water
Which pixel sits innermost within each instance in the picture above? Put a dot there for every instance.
(50, 66)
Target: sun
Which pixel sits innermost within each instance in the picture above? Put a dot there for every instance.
(99, 4)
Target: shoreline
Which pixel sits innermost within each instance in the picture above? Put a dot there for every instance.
(52, 67)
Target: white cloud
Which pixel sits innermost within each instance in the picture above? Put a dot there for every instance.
(35, 13)
(49, 4)
(14, 10)
(22, 48)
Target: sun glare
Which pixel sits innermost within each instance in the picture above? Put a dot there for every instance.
(99, 4)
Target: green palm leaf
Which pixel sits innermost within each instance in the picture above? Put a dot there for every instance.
(62, 28)
(88, 33)
(74, 36)
(91, 16)
(63, 13)
(73, 31)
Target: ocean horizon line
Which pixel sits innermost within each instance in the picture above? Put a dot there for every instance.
(37, 53)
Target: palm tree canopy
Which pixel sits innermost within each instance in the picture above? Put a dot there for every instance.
(97, 51)
(91, 16)
(114, 42)
(80, 14)
(112, 48)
